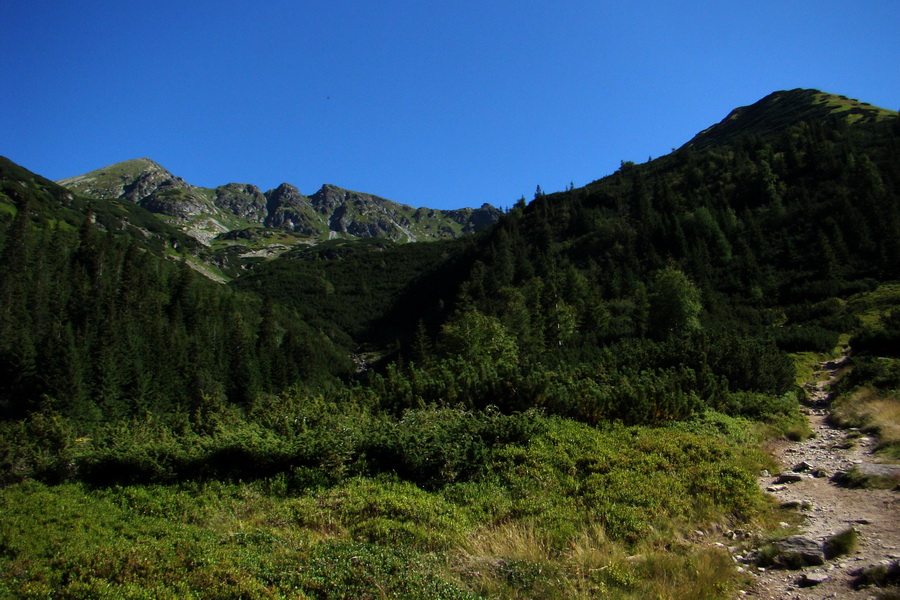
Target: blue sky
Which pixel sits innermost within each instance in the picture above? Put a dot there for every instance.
(430, 103)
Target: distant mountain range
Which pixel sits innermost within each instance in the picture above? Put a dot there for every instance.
(242, 213)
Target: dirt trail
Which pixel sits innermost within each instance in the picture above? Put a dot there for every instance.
(828, 508)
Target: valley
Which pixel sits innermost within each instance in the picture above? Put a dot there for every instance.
(603, 392)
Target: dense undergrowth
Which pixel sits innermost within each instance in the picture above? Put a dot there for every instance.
(324, 502)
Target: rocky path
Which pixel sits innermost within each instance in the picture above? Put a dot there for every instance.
(806, 482)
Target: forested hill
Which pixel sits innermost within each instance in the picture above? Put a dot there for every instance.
(790, 201)
(98, 323)
(751, 233)
(52, 204)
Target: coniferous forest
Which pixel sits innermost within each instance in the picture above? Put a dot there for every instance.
(551, 407)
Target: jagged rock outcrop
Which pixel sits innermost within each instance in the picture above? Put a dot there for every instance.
(290, 210)
(244, 200)
(175, 201)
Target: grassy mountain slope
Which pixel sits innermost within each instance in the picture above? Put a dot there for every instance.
(780, 110)
(61, 206)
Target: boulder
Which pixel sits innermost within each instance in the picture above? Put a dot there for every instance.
(796, 552)
(788, 478)
(876, 470)
(812, 579)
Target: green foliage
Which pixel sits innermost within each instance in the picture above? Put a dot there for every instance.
(883, 575)
(434, 447)
(106, 329)
(624, 478)
(674, 303)
(474, 337)
(347, 570)
(388, 513)
(352, 536)
(369, 290)
(882, 339)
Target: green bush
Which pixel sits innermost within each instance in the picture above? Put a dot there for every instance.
(434, 446)
(806, 338)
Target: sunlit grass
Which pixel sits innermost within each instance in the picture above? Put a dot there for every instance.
(874, 412)
(871, 307)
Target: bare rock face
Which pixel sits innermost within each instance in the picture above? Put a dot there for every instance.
(474, 220)
(151, 182)
(244, 200)
(289, 210)
(174, 200)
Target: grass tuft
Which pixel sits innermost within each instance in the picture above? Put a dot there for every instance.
(841, 543)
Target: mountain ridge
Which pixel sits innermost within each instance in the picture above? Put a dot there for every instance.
(330, 212)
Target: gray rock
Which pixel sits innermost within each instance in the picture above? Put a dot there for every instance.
(788, 478)
(796, 552)
(812, 579)
(876, 470)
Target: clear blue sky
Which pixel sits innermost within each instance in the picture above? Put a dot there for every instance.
(430, 103)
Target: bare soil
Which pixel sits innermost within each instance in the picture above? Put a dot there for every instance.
(827, 508)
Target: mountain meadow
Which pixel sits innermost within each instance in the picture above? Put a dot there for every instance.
(571, 398)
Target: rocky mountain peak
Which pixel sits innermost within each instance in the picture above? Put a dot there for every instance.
(133, 180)
(286, 195)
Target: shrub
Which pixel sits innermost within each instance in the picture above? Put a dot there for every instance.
(879, 575)
(344, 570)
(810, 338)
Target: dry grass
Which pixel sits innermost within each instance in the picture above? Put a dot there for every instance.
(875, 413)
(516, 561)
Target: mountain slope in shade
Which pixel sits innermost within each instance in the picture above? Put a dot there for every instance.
(243, 211)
